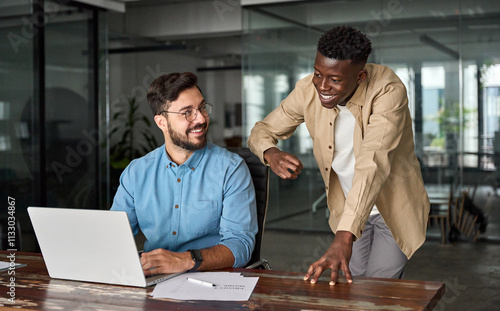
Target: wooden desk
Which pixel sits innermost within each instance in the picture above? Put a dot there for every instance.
(275, 290)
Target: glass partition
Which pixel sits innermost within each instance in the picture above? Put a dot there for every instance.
(52, 143)
(446, 55)
(70, 110)
(16, 90)
(276, 54)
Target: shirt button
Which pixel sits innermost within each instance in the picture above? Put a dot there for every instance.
(331, 123)
(176, 206)
(178, 180)
(326, 187)
(192, 168)
(174, 233)
(326, 169)
(329, 147)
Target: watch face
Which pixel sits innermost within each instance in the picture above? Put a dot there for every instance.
(196, 254)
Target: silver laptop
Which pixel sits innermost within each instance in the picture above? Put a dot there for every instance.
(90, 245)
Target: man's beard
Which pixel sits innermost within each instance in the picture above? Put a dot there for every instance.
(184, 142)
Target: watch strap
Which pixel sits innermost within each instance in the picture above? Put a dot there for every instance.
(197, 258)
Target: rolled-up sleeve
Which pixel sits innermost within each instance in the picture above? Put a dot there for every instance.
(280, 124)
(238, 224)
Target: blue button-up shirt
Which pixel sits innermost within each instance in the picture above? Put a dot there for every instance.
(208, 200)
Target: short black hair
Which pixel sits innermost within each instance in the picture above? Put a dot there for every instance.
(166, 89)
(345, 43)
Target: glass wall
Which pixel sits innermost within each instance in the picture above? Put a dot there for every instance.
(276, 54)
(50, 134)
(446, 53)
(16, 91)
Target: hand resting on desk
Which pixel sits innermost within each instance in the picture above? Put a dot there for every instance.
(336, 257)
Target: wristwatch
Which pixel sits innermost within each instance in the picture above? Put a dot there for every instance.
(198, 259)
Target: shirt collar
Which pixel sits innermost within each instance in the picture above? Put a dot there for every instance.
(193, 161)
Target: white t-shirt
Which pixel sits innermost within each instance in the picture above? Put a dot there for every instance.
(343, 156)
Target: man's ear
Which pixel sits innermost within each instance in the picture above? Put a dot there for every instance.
(161, 122)
(362, 76)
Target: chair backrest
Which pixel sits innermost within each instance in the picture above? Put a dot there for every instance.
(260, 177)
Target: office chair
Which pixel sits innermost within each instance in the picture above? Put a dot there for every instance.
(440, 212)
(260, 177)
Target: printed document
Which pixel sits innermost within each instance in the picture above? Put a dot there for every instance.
(227, 286)
(4, 266)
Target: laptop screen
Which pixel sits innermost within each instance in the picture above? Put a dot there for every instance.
(87, 245)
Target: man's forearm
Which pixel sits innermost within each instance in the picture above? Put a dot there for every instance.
(261, 139)
(345, 237)
(216, 257)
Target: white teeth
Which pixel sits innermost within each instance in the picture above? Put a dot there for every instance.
(326, 96)
(196, 131)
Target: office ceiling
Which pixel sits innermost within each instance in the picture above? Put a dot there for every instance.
(426, 28)
(156, 2)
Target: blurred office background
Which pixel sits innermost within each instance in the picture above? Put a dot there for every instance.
(71, 71)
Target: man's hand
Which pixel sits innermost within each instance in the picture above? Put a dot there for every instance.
(336, 257)
(283, 164)
(162, 261)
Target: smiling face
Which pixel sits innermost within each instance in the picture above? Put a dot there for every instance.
(336, 80)
(187, 135)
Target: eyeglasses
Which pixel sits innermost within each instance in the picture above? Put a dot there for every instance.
(191, 114)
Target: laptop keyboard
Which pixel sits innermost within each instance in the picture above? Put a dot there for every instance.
(147, 276)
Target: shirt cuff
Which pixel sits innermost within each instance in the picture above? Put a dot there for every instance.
(241, 256)
(351, 223)
(261, 148)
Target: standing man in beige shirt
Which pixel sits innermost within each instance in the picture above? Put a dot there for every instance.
(358, 117)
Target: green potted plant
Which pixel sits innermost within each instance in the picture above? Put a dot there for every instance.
(448, 118)
(133, 139)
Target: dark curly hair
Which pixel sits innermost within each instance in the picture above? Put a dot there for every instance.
(345, 42)
(166, 89)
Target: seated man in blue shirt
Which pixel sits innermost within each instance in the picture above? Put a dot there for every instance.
(194, 201)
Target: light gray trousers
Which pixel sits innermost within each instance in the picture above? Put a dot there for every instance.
(376, 253)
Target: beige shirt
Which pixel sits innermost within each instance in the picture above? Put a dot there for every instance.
(387, 172)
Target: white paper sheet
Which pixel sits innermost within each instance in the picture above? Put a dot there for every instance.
(228, 286)
(6, 265)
